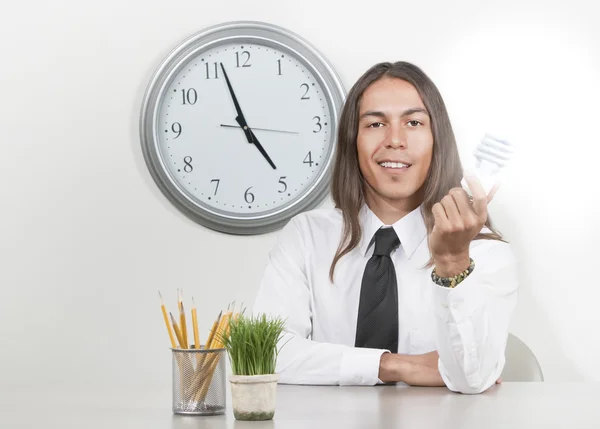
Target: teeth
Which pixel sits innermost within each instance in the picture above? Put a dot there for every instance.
(393, 165)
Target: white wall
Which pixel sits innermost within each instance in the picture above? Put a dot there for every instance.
(86, 239)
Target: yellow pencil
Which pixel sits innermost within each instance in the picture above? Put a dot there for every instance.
(195, 325)
(183, 324)
(213, 331)
(177, 331)
(169, 329)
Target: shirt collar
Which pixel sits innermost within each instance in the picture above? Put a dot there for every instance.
(411, 229)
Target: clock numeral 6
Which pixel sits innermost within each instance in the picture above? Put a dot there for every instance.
(249, 196)
(308, 159)
(189, 96)
(304, 97)
(318, 124)
(283, 183)
(237, 59)
(188, 164)
(176, 128)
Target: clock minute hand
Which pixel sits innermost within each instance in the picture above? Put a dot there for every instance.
(243, 124)
(240, 118)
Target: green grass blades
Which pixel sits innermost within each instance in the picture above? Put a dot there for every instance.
(252, 344)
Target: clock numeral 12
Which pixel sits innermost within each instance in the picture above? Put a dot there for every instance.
(237, 58)
(208, 74)
(279, 66)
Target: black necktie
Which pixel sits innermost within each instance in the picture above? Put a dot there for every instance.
(377, 325)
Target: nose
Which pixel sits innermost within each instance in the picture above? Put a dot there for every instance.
(396, 138)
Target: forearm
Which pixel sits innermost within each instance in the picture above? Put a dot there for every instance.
(472, 324)
(303, 361)
(414, 370)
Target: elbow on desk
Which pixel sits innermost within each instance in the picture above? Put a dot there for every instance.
(470, 389)
(473, 384)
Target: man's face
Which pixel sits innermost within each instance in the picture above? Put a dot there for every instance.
(395, 141)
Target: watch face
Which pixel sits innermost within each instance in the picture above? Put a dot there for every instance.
(238, 126)
(225, 167)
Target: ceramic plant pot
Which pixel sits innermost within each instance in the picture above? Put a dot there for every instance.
(253, 396)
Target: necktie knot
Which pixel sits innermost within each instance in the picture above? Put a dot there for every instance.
(386, 240)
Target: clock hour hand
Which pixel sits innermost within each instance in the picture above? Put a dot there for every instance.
(255, 141)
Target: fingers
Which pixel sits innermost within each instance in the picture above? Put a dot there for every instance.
(461, 198)
(451, 209)
(480, 200)
(439, 215)
(493, 191)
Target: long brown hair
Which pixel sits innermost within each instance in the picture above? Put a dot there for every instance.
(445, 171)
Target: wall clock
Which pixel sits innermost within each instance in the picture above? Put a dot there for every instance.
(238, 126)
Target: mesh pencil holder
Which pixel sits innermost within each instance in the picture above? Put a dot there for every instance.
(199, 378)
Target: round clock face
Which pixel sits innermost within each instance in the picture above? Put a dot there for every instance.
(243, 130)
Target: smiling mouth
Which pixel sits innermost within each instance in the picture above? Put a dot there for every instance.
(395, 165)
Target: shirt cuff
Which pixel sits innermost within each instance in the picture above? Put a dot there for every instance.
(360, 366)
(459, 303)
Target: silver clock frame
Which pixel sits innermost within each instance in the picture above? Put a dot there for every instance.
(243, 32)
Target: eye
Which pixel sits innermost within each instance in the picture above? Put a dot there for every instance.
(375, 125)
(414, 123)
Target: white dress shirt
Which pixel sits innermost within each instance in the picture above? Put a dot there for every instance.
(467, 325)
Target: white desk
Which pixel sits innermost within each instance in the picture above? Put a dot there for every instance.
(511, 405)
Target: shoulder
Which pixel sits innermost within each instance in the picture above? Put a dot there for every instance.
(311, 226)
(322, 219)
(496, 252)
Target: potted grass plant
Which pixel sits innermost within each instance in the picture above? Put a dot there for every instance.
(252, 346)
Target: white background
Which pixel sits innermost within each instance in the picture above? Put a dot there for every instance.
(86, 238)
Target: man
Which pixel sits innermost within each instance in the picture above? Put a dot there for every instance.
(404, 280)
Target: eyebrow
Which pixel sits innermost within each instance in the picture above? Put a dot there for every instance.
(407, 112)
